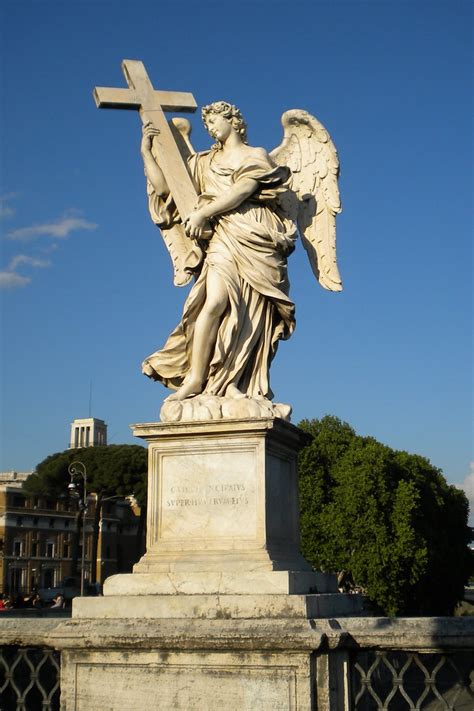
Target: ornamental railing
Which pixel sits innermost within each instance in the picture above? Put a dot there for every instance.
(399, 664)
(29, 679)
(29, 665)
(392, 680)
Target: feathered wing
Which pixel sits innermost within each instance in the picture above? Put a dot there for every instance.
(185, 255)
(309, 152)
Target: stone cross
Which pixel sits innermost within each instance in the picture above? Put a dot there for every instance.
(152, 104)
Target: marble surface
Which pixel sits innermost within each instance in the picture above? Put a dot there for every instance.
(235, 607)
(278, 582)
(211, 407)
(222, 497)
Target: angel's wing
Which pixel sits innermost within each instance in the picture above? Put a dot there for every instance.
(310, 154)
(181, 130)
(186, 256)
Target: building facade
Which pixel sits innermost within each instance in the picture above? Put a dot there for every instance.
(41, 538)
(88, 432)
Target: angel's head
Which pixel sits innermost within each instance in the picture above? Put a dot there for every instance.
(212, 116)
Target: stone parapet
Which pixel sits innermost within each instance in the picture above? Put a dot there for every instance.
(336, 664)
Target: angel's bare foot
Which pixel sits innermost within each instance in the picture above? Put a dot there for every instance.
(189, 388)
(234, 392)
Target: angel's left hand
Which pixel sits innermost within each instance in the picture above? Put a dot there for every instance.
(194, 224)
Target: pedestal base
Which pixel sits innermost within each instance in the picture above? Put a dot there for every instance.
(209, 668)
(222, 611)
(276, 582)
(210, 607)
(222, 497)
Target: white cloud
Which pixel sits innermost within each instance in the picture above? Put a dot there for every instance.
(59, 229)
(30, 261)
(12, 280)
(5, 209)
(468, 488)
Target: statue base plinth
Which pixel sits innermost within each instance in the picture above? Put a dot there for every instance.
(214, 607)
(202, 408)
(222, 497)
(277, 582)
(222, 610)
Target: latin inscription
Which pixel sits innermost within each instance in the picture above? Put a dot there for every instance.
(210, 495)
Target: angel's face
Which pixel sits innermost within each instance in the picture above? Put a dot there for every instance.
(219, 127)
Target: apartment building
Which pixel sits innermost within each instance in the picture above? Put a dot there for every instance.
(41, 539)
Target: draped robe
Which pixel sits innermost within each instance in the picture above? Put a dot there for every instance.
(248, 249)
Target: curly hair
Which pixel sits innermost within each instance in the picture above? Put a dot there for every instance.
(229, 112)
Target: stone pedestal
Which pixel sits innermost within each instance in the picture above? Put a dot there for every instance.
(223, 511)
(223, 496)
(222, 545)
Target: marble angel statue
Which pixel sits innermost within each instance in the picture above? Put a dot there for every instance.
(250, 209)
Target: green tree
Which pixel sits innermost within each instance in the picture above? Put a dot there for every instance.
(113, 470)
(388, 518)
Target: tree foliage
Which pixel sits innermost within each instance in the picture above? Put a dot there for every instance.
(115, 469)
(389, 518)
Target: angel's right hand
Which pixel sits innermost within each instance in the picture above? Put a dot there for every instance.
(148, 133)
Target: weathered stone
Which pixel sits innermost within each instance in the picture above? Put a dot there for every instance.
(275, 582)
(226, 606)
(212, 407)
(222, 497)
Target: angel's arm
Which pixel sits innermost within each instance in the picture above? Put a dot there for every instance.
(231, 199)
(152, 170)
(241, 190)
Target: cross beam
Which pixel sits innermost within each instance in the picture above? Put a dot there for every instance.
(151, 105)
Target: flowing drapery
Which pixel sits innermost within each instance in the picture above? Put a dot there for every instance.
(248, 249)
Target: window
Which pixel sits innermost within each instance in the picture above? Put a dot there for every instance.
(19, 520)
(49, 551)
(35, 520)
(19, 501)
(50, 504)
(66, 523)
(51, 522)
(18, 547)
(48, 578)
(34, 549)
(66, 549)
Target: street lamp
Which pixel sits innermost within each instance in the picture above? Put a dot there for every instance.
(76, 469)
(130, 498)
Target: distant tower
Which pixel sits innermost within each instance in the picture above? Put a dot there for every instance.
(88, 432)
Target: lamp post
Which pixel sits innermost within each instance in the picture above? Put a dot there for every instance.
(115, 497)
(76, 469)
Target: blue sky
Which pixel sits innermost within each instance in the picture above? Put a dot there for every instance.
(87, 286)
